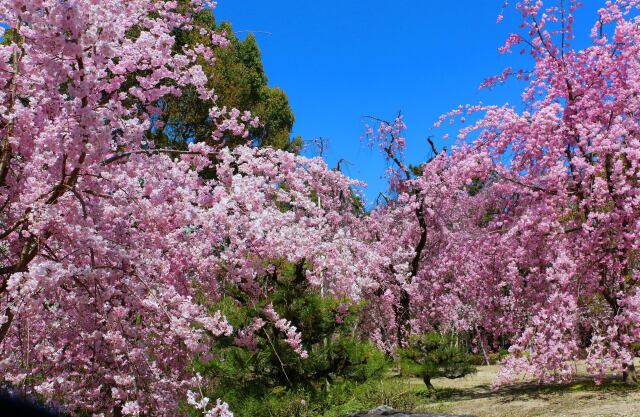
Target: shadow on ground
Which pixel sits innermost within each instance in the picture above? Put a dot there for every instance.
(529, 391)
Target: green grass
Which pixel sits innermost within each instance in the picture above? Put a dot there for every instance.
(406, 394)
(397, 393)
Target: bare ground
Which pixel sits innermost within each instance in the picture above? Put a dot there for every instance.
(474, 395)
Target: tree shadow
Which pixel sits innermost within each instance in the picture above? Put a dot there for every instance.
(531, 391)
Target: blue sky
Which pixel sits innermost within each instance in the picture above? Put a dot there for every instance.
(341, 60)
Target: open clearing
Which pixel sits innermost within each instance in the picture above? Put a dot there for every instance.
(474, 395)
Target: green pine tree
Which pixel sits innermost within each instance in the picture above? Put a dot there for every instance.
(239, 80)
(271, 378)
(435, 355)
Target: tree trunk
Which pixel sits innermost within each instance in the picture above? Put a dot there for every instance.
(484, 351)
(427, 381)
(629, 374)
(4, 329)
(403, 314)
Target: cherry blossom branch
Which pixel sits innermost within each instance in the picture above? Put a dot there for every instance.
(388, 149)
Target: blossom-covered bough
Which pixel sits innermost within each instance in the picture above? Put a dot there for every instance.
(107, 243)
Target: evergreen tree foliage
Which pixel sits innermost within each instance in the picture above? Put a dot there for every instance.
(238, 78)
(251, 378)
(434, 355)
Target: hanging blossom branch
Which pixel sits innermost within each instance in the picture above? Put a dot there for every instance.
(294, 338)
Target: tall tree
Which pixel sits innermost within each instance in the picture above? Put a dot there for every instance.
(558, 257)
(238, 78)
(532, 223)
(547, 255)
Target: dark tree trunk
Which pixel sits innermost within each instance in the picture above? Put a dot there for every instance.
(403, 313)
(427, 381)
(629, 374)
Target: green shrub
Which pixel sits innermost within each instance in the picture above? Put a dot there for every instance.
(434, 355)
(400, 394)
(494, 358)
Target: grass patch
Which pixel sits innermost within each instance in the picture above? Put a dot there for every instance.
(474, 397)
(397, 393)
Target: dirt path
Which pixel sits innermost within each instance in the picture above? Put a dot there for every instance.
(473, 395)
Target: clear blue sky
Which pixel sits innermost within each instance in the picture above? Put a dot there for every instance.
(343, 59)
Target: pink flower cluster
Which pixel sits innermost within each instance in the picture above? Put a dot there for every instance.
(246, 336)
(294, 338)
